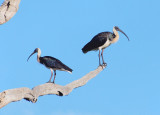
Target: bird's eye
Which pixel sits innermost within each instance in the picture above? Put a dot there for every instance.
(116, 27)
(35, 50)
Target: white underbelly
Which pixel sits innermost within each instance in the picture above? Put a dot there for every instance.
(107, 43)
(59, 69)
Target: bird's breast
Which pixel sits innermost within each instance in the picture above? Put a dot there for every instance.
(106, 44)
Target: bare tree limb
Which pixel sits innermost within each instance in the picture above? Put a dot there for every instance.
(8, 9)
(32, 95)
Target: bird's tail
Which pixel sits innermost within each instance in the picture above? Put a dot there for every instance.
(87, 48)
(84, 50)
(70, 70)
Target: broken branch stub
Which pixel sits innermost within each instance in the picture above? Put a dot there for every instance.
(8, 9)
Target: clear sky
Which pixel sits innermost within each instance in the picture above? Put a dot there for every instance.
(60, 28)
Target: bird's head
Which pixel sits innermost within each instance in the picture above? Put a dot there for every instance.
(117, 29)
(37, 50)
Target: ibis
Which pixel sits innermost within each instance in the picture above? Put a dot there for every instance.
(51, 63)
(101, 41)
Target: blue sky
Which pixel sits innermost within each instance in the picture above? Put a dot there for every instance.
(60, 28)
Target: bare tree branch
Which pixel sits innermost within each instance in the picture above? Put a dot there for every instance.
(8, 9)
(32, 95)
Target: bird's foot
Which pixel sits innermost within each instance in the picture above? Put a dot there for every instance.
(49, 81)
(53, 81)
(100, 65)
(104, 64)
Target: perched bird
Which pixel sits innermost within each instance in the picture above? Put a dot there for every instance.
(101, 41)
(51, 63)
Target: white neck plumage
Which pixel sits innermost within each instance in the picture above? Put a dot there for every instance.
(38, 54)
(116, 36)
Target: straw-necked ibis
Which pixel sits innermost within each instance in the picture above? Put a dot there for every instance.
(103, 40)
(51, 63)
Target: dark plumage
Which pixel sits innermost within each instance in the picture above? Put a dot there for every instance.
(97, 41)
(101, 41)
(55, 64)
(51, 63)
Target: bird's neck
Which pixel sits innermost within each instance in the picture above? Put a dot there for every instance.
(38, 56)
(116, 38)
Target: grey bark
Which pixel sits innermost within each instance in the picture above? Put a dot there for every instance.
(8, 9)
(32, 95)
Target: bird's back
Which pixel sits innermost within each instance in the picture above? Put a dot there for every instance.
(97, 41)
(51, 62)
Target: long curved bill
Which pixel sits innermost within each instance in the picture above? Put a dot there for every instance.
(124, 34)
(31, 55)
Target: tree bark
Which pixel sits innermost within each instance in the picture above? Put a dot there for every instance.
(8, 9)
(32, 95)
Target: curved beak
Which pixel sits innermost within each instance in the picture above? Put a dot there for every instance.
(31, 55)
(124, 34)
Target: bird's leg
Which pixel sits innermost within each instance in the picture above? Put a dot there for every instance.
(102, 58)
(99, 57)
(54, 75)
(51, 76)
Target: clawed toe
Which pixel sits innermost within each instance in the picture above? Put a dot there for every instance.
(105, 64)
(100, 65)
(49, 82)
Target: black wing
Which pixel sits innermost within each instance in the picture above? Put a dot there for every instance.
(52, 62)
(96, 42)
